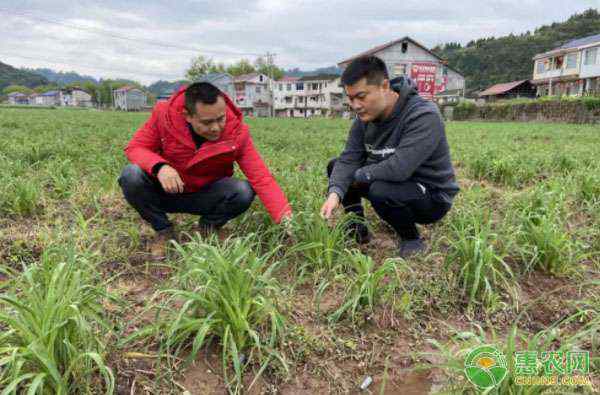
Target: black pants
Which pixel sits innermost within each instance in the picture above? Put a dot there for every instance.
(217, 203)
(401, 204)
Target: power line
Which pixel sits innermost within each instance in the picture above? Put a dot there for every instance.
(123, 37)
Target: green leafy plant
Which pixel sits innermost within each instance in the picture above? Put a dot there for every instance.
(368, 285)
(473, 265)
(52, 342)
(228, 294)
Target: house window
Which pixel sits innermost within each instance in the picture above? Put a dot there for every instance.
(540, 67)
(558, 62)
(590, 56)
(288, 87)
(401, 69)
(280, 87)
(572, 61)
(260, 78)
(315, 86)
(300, 86)
(258, 89)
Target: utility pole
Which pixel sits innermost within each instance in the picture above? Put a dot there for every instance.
(270, 64)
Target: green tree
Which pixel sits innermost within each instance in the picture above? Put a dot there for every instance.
(46, 88)
(17, 88)
(202, 66)
(271, 70)
(243, 66)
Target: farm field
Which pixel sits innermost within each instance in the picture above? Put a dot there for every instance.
(84, 309)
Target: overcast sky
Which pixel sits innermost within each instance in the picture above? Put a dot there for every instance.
(85, 36)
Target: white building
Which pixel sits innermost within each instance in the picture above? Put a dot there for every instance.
(75, 97)
(17, 98)
(409, 58)
(50, 98)
(253, 95)
(320, 95)
(129, 98)
(571, 69)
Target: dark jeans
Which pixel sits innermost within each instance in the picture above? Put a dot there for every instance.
(401, 204)
(217, 203)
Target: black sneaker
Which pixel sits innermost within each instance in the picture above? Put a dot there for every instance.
(412, 247)
(359, 231)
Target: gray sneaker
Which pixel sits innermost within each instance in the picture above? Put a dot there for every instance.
(413, 247)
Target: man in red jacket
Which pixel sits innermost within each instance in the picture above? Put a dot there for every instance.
(182, 162)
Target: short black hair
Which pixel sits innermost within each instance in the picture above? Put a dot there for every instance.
(200, 92)
(370, 67)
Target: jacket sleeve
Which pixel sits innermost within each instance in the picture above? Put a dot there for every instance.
(144, 147)
(261, 179)
(421, 137)
(351, 159)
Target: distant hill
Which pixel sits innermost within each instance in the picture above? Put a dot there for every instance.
(296, 72)
(13, 76)
(61, 77)
(160, 87)
(489, 61)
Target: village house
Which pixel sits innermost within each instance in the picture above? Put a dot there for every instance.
(407, 57)
(50, 98)
(129, 98)
(571, 69)
(17, 98)
(308, 96)
(253, 95)
(223, 81)
(509, 90)
(75, 97)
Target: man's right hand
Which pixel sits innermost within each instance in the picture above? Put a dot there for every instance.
(170, 180)
(332, 202)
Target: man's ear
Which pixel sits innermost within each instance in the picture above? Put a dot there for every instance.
(186, 114)
(385, 85)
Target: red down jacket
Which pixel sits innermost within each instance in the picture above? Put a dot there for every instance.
(165, 137)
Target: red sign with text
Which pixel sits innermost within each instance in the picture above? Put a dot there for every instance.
(423, 74)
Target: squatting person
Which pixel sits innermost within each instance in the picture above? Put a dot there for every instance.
(396, 156)
(182, 162)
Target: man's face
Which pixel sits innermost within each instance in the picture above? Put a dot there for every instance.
(209, 119)
(368, 101)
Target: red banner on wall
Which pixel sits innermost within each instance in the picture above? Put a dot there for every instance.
(423, 74)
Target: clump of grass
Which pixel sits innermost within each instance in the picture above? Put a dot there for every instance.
(542, 238)
(368, 285)
(505, 170)
(228, 294)
(547, 246)
(589, 188)
(52, 322)
(321, 245)
(474, 266)
(21, 197)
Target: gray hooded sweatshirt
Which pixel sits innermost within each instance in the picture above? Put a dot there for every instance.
(409, 145)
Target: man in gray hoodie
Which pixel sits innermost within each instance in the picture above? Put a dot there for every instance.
(396, 156)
